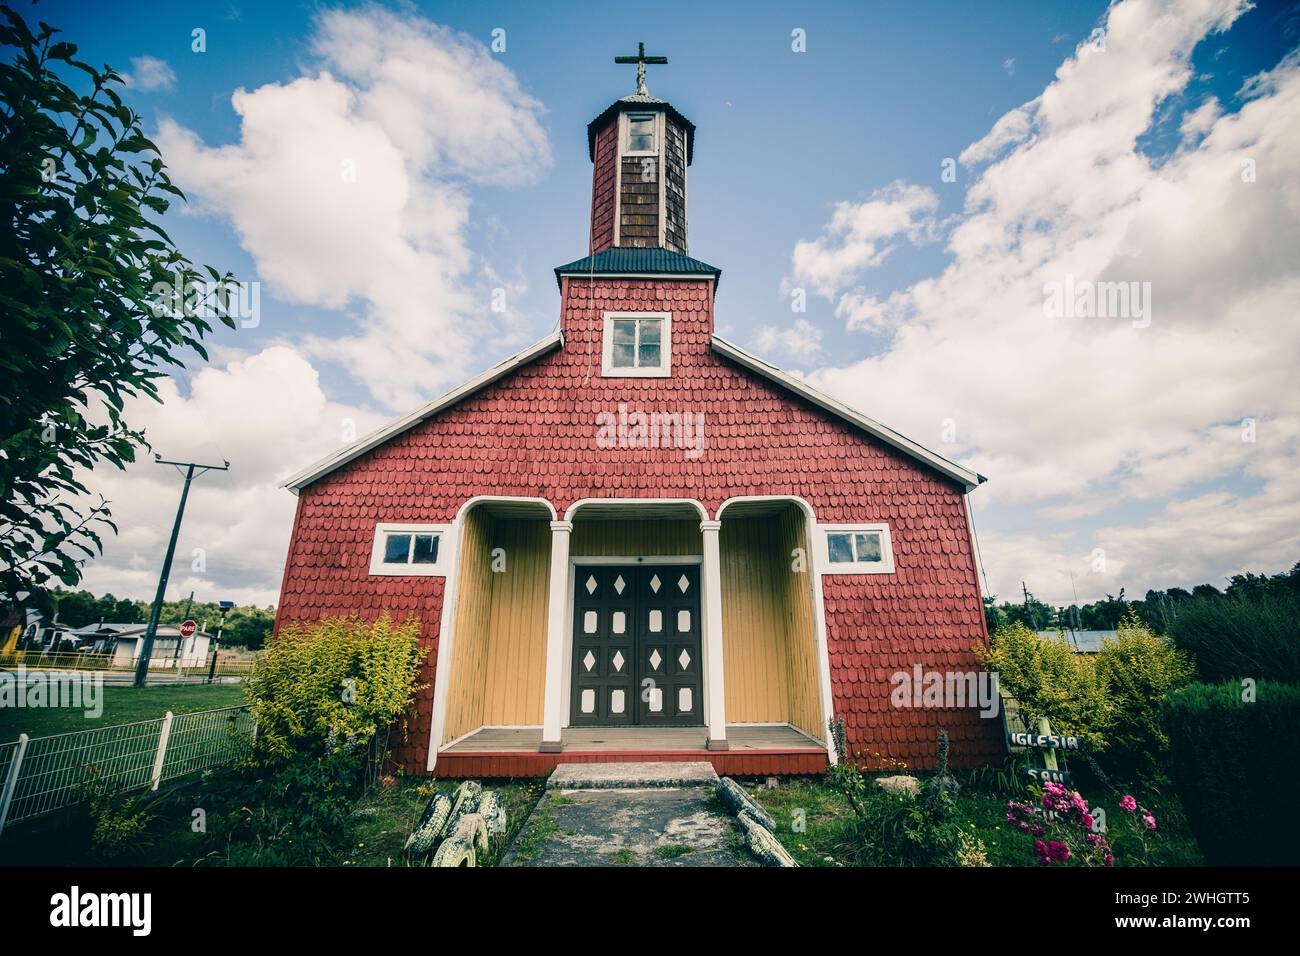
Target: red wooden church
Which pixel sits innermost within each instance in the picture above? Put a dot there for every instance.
(635, 540)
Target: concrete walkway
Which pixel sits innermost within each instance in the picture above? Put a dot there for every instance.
(648, 814)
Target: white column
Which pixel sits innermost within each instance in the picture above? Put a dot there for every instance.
(556, 623)
(711, 575)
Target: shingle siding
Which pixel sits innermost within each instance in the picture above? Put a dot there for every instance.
(533, 434)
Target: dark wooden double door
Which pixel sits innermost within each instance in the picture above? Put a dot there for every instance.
(636, 646)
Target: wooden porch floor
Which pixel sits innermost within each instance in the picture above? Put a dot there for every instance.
(630, 739)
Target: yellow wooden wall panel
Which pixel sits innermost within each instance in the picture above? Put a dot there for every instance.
(599, 538)
(469, 643)
(769, 653)
(801, 642)
(516, 666)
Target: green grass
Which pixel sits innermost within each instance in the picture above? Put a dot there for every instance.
(121, 705)
(622, 858)
(540, 827)
(381, 821)
(815, 825)
(671, 851)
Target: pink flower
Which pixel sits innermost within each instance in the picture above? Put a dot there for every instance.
(1058, 851)
(1128, 803)
(1087, 820)
(1148, 820)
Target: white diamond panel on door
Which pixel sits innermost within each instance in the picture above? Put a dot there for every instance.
(602, 690)
(668, 634)
(636, 646)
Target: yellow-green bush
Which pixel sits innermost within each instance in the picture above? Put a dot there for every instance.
(1139, 668)
(337, 683)
(1110, 700)
(1048, 679)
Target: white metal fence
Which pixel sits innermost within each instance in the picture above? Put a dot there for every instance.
(42, 774)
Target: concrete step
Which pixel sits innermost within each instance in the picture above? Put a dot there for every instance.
(626, 776)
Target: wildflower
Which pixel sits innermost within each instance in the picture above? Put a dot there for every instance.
(1148, 820)
(1128, 803)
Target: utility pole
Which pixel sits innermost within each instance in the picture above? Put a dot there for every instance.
(1029, 612)
(216, 647)
(142, 665)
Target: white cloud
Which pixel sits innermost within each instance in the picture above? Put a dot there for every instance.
(862, 235)
(1009, 64)
(348, 185)
(269, 416)
(149, 75)
(1078, 418)
(1199, 121)
(802, 340)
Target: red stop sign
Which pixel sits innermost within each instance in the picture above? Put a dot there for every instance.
(188, 628)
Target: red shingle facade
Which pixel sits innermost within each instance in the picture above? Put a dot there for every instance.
(533, 433)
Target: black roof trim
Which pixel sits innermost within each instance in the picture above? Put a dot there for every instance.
(627, 260)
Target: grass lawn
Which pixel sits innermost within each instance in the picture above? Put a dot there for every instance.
(817, 827)
(122, 705)
(380, 823)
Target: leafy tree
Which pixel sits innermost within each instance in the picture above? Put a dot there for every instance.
(82, 263)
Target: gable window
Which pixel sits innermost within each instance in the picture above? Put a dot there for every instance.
(857, 549)
(641, 129)
(408, 549)
(637, 345)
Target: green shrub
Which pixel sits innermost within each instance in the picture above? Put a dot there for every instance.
(282, 811)
(1048, 679)
(1138, 669)
(1246, 635)
(108, 824)
(901, 829)
(1233, 762)
(338, 684)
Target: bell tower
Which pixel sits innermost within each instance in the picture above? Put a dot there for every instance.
(640, 147)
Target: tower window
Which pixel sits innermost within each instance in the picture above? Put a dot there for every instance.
(637, 344)
(641, 133)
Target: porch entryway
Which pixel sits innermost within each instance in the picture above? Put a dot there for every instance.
(636, 646)
(632, 630)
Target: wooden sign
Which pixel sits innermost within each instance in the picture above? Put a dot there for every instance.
(1043, 741)
(1043, 775)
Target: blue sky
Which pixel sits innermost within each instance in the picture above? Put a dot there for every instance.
(858, 126)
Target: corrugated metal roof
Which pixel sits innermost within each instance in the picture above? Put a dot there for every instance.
(637, 261)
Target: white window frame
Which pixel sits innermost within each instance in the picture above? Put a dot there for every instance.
(884, 566)
(625, 132)
(607, 369)
(438, 568)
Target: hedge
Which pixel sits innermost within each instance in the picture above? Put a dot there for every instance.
(1235, 763)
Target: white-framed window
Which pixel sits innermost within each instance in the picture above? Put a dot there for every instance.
(641, 134)
(637, 345)
(856, 549)
(409, 549)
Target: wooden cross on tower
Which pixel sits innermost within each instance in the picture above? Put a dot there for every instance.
(641, 60)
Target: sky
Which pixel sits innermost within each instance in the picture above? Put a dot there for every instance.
(897, 195)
